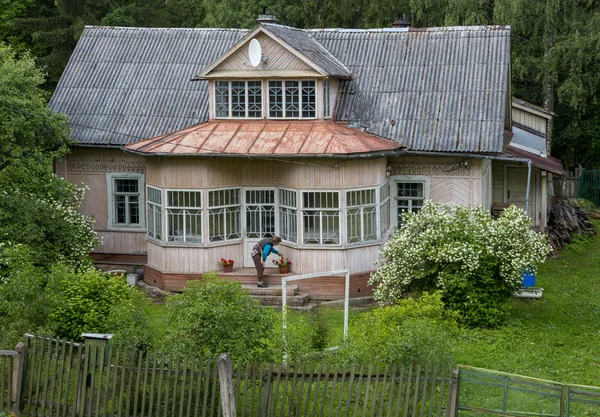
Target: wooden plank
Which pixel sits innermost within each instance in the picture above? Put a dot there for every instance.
(145, 384)
(226, 386)
(176, 382)
(183, 378)
(114, 385)
(367, 389)
(168, 390)
(191, 386)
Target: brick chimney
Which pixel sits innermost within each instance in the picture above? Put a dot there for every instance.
(267, 18)
(401, 22)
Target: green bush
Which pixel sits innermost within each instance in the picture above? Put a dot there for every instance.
(474, 260)
(92, 302)
(213, 316)
(413, 331)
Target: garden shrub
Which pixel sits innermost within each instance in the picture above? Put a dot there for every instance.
(413, 331)
(474, 260)
(213, 316)
(91, 301)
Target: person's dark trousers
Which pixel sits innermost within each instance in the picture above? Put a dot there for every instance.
(259, 268)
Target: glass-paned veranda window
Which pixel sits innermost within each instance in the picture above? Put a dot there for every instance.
(238, 99)
(410, 196)
(184, 216)
(154, 212)
(292, 99)
(224, 215)
(260, 213)
(126, 197)
(288, 219)
(321, 217)
(361, 216)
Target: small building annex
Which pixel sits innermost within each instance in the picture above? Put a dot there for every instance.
(196, 143)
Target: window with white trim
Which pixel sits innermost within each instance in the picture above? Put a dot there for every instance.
(289, 99)
(125, 199)
(241, 99)
(288, 217)
(224, 215)
(410, 196)
(184, 216)
(260, 213)
(326, 99)
(384, 209)
(154, 212)
(321, 217)
(361, 216)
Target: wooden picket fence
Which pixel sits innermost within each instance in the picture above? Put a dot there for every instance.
(68, 379)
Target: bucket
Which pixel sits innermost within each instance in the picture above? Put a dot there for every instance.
(132, 279)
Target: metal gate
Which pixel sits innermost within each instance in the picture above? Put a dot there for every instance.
(589, 186)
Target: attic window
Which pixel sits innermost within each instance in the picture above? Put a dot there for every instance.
(241, 99)
(292, 99)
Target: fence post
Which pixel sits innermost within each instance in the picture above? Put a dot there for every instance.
(226, 384)
(18, 378)
(452, 409)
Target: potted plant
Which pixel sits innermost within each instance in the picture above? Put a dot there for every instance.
(227, 264)
(283, 264)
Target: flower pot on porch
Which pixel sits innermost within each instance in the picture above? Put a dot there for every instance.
(228, 268)
(284, 269)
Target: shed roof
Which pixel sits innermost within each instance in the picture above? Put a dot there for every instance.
(267, 139)
(437, 89)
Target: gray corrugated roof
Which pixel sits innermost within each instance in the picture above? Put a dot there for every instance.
(303, 42)
(441, 89)
(436, 89)
(122, 85)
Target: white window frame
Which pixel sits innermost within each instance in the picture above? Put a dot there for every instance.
(291, 209)
(245, 204)
(240, 205)
(384, 233)
(326, 99)
(230, 103)
(184, 209)
(151, 231)
(411, 179)
(110, 183)
(361, 209)
(267, 112)
(338, 210)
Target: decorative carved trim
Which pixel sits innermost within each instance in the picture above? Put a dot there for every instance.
(431, 169)
(102, 166)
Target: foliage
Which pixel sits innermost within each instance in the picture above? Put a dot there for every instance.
(22, 302)
(214, 316)
(90, 302)
(412, 331)
(474, 260)
(30, 133)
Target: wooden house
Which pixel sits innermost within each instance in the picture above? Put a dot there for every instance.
(196, 143)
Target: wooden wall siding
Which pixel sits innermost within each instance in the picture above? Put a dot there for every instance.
(535, 194)
(279, 58)
(305, 173)
(89, 167)
(324, 288)
(192, 260)
(528, 119)
(451, 191)
(459, 185)
(121, 242)
(486, 184)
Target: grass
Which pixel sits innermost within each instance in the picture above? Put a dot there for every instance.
(556, 337)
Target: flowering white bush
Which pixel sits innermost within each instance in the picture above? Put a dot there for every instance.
(474, 260)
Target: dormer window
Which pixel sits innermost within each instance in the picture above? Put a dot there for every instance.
(241, 99)
(292, 99)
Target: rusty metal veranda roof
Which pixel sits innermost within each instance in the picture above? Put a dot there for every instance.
(267, 139)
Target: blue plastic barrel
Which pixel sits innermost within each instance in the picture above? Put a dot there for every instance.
(528, 278)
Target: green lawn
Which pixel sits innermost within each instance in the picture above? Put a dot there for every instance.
(556, 337)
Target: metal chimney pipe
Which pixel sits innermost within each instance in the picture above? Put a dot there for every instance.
(401, 22)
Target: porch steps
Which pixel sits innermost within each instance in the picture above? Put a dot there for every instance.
(271, 295)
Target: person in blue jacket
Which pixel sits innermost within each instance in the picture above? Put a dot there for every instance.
(259, 254)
